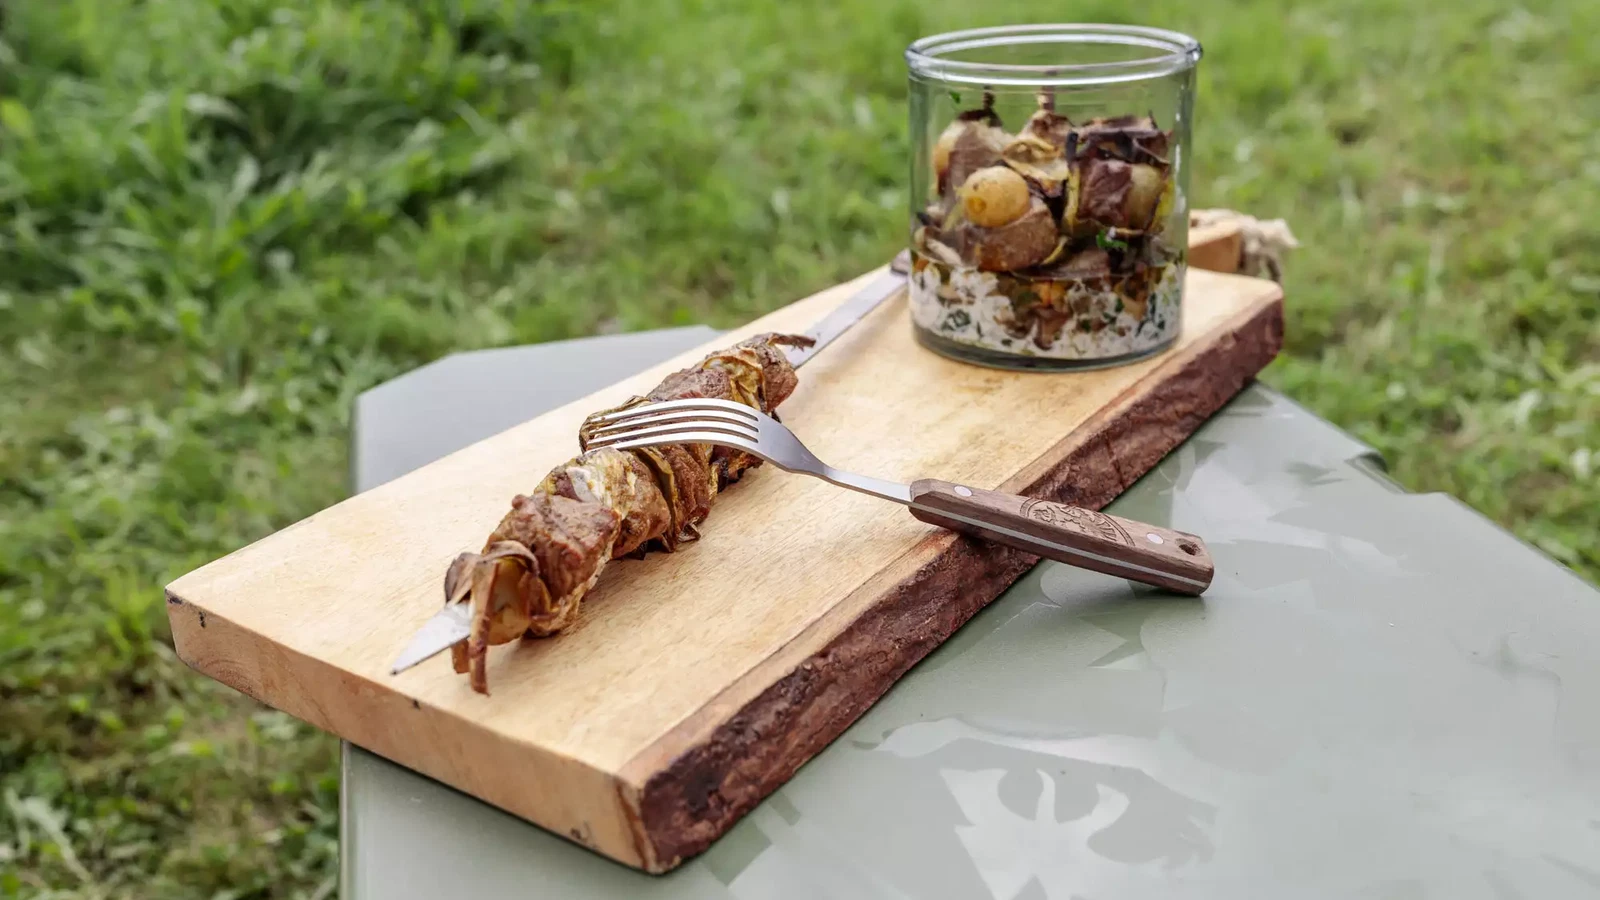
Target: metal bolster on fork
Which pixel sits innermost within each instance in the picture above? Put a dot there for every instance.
(866, 484)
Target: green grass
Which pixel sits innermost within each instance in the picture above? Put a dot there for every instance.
(220, 222)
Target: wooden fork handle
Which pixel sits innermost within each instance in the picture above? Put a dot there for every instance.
(1076, 536)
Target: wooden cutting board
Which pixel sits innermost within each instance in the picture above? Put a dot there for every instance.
(697, 682)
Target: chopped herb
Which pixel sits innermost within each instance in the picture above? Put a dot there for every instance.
(955, 97)
(1106, 242)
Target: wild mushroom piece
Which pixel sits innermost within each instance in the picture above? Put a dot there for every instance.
(1049, 126)
(1135, 289)
(1039, 161)
(929, 244)
(502, 588)
(1133, 139)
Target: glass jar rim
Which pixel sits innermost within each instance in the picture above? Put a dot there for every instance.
(927, 57)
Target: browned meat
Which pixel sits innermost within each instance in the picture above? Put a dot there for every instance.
(1041, 163)
(692, 383)
(688, 483)
(1133, 139)
(972, 142)
(1023, 243)
(1110, 193)
(1050, 126)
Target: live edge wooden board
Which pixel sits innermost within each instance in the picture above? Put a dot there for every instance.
(698, 682)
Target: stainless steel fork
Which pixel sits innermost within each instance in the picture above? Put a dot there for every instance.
(1074, 535)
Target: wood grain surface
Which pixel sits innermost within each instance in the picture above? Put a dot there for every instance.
(695, 683)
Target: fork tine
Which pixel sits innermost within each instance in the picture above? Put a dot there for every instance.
(692, 437)
(676, 433)
(702, 403)
(678, 415)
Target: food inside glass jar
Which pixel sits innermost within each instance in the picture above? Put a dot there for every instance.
(1049, 241)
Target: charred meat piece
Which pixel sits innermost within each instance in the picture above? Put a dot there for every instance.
(688, 483)
(1131, 139)
(692, 383)
(754, 372)
(1023, 243)
(571, 539)
(531, 578)
(624, 483)
(1121, 176)
(1109, 193)
(697, 383)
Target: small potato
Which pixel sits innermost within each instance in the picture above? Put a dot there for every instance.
(1144, 193)
(994, 197)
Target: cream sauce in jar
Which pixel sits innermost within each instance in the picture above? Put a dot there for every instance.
(1082, 320)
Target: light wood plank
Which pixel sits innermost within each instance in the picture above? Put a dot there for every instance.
(590, 733)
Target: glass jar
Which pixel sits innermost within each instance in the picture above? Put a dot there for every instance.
(1049, 219)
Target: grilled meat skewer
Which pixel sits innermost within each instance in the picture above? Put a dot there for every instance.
(549, 549)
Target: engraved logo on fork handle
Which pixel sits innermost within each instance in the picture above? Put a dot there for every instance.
(1074, 535)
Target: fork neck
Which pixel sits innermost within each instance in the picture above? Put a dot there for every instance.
(877, 487)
